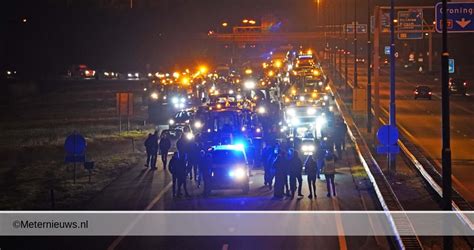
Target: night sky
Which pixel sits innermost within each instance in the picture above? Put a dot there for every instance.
(109, 35)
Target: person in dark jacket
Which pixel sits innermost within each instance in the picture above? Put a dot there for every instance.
(311, 168)
(281, 174)
(178, 169)
(320, 154)
(295, 170)
(148, 149)
(165, 145)
(270, 156)
(329, 173)
(172, 168)
(204, 163)
(193, 160)
(154, 149)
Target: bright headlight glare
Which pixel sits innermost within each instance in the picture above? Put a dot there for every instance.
(320, 83)
(249, 84)
(326, 98)
(237, 173)
(291, 112)
(311, 111)
(261, 110)
(189, 136)
(174, 100)
(171, 121)
(197, 124)
(154, 96)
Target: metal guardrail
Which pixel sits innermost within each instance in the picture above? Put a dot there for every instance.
(387, 198)
(426, 167)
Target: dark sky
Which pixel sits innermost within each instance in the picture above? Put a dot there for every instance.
(108, 34)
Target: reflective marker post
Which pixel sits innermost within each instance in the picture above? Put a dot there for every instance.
(446, 150)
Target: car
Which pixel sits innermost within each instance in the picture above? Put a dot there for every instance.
(229, 169)
(457, 86)
(181, 118)
(360, 60)
(422, 92)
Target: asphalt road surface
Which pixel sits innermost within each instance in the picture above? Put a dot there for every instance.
(143, 189)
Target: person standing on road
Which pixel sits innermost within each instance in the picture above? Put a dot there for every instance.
(204, 163)
(320, 154)
(193, 159)
(311, 170)
(280, 174)
(296, 169)
(172, 168)
(165, 145)
(340, 137)
(148, 149)
(329, 172)
(154, 150)
(179, 173)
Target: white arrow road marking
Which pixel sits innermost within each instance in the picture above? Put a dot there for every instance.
(463, 23)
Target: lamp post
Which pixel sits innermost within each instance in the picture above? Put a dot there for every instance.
(369, 72)
(355, 44)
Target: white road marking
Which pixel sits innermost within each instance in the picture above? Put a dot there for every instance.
(119, 239)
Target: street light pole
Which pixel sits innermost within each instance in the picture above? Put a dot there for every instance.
(369, 72)
(346, 44)
(355, 44)
(392, 107)
(446, 150)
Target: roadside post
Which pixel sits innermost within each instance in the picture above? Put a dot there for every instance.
(388, 135)
(124, 106)
(75, 147)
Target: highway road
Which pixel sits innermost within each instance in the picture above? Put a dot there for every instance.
(421, 119)
(143, 189)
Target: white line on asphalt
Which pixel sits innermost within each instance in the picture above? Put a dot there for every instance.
(119, 239)
(340, 227)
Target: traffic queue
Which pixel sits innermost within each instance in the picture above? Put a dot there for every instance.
(278, 118)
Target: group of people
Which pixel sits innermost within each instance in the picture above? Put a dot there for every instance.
(284, 169)
(190, 160)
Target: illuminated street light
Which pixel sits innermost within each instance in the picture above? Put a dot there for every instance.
(176, 74)
(278, 64)
(203, 69)
(245, 21)
(271, 73)
(252, 22)
(225, 24)
(248, 71)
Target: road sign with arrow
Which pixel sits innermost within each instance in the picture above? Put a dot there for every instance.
(460, 17)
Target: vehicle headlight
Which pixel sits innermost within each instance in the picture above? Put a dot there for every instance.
(307, 148)
(154, 96)
(291, 112)
(231, 92)
(136, 74)
(237, 173)
(239, 97)
(189, 136)
(295, 121)
(164, 97)
(171, 121)
(243, 129)
(258, 130)
(320, 122)
(302, 98)
(327, 88)
(326, 97)
(311, 111)
(197, 124)
(261, 110)
(174, 100)
(249, 84)
(129, 75)
(183, 100)
(320, 83)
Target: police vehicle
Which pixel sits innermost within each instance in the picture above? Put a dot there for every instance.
(229, 169)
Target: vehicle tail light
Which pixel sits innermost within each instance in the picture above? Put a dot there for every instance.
(429, 93)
